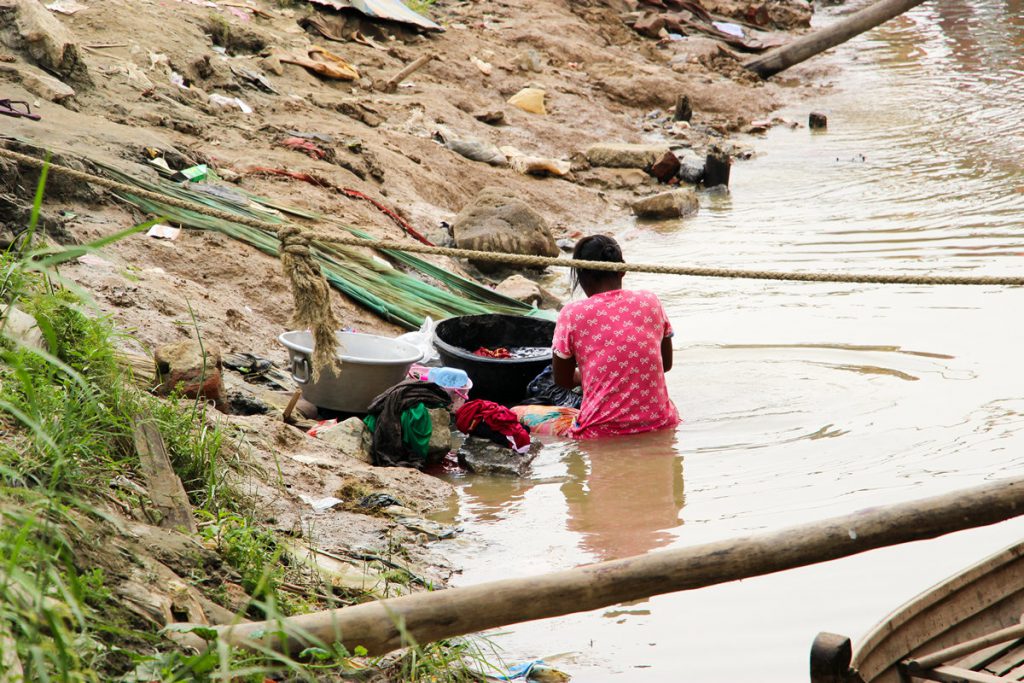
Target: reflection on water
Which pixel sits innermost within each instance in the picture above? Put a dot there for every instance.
(806, 400)
(604, 478)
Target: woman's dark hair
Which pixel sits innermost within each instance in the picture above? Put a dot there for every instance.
(595, 248)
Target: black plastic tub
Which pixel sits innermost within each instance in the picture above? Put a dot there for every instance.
(502, 380)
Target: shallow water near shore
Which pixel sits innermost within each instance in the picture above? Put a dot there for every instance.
(805, 401)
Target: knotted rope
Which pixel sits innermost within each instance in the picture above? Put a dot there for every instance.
(312, 297)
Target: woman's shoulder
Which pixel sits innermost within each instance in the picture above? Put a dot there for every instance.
(645, 295)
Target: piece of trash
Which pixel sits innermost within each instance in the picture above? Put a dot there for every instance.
(230, 103)
(307, 147)
(472, 148)
(358, 37)
(193, 174)
(534, 165)
(389, 10)
(66, 6)
(255, 78)
(434, 530)
(485, 68)
(17, 109)
(321, 427)
(164, 232)
(530, 100)
(322, 137)
(375, 501)
(320, 504)
(162, 164)
(731, 29)
(324, 63)
(178, 80)
(537, 671)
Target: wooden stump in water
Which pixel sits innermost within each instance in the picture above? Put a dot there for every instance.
(716, 168)
(684, 111)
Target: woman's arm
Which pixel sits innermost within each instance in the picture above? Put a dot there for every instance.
(666, 353)
(564, 371)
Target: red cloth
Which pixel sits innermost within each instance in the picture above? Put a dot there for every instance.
(496, 416)
(500, 352)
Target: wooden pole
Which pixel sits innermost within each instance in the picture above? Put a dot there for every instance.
(384, 625)
(391, 85)
(807, 46)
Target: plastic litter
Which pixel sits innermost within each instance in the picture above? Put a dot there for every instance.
(485, 67)
(529, 100)
(532, 165)
(537, 671)
(66, 6)
(320, 504)
(390, 10)
(731, 29)
(423, 339)
(194, 174)
(164, 232)
(230, 103)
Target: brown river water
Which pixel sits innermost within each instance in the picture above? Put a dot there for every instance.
(804, 401)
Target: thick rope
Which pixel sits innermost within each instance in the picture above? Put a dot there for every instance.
(312, 296)
(521, 259)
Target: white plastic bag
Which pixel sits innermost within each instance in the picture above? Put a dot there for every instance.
(423, 340)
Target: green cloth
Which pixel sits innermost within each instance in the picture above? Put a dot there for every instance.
(417, 428)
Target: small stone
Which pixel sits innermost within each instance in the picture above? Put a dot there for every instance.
(621, 155)
(21, 328)
(649, 25)
(817, 121)
(272, 65)
(521, 289)
(441, 431)
(666, 168)
(492, 117)
(483, 456)
(47, 87)
(192, 369)
(672, 204)
(691, 168)
(529, 60)
(348, 437)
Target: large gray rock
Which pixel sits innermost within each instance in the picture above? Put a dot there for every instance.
(483, 456)
(621, 155)
(672, 204)
(26, 25)
(499, 222)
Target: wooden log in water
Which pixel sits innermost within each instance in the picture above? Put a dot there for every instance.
(382, 626)
(805, 47)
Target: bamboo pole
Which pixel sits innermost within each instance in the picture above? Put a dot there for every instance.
(805, 47)
(384, 625)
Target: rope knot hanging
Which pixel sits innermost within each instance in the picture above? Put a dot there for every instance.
(312, 296)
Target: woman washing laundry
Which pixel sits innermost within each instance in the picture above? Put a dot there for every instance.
(616, 343)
